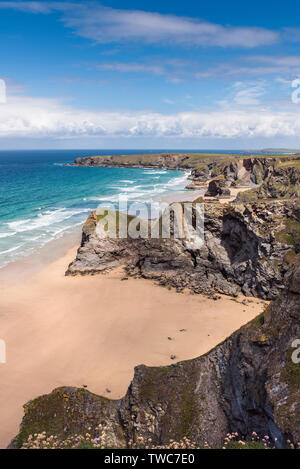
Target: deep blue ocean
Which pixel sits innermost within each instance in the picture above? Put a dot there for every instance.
(40, 199)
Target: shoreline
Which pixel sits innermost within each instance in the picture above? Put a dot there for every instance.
(29, 265)
(25, 267)
(93, 330)
(21, 267)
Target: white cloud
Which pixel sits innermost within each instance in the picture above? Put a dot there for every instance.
(168, 101)
(249, 96)
(132, 67)
(47, 118)
(253, 65)
(108, 25)
(32, 7)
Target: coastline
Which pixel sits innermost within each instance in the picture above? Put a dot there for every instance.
(92, 331)
(58, 329)
(31, 264)
(27, 235)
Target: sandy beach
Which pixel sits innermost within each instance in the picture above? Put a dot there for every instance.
(190, 196)
(93, 330)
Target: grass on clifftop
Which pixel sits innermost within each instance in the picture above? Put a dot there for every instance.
(191, 160)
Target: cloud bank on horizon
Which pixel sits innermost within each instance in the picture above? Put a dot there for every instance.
(82, 70)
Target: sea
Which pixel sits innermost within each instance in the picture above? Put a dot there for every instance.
(41, 199)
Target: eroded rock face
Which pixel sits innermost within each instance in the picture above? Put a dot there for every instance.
(159, 161)
(70, 411)
(217, 188)
(244, 171)
(281, 182)
(248, 383)
(247, 249)
(253, 172)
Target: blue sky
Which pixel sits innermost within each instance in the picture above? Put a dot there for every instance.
(149, 75)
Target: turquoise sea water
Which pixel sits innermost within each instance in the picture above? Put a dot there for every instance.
(40, 199)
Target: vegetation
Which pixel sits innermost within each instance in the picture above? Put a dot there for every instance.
(102, 441)
(290, 234)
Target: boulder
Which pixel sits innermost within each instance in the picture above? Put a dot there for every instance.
(217, 188)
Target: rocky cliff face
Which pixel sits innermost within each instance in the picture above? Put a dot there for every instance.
(217, 188)
(248, 171)
(159, 161)
(281, 182)
(251, 381)
(247, 249)
(248, 383)
(236, 170)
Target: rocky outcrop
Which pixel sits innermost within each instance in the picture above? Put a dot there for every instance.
(237, 170)
(249, 383)
(195, 185)
(158, 161)
(282, 182)
(242, 171)
(70, 411)
(247, 249)
(217, 188)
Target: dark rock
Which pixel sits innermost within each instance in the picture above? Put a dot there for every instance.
(246, 384)
(247, 249)
(281, 182)
(217, 187)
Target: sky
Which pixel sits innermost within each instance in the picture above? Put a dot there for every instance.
(155, 75)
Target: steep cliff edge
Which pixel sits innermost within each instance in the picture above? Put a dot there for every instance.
(281, 182)
(157, 160)
(204, 165)
(237, 171)
(249, 383)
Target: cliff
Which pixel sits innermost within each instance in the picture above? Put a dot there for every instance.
(160, 161)
(237, 170)
(249, 383)
(281, 182)
(247, 249)
(249, 171)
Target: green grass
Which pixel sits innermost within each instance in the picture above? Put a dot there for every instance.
(291, 372)
(290, 234)
(292, 163)
(192, 160)
(247, 445)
